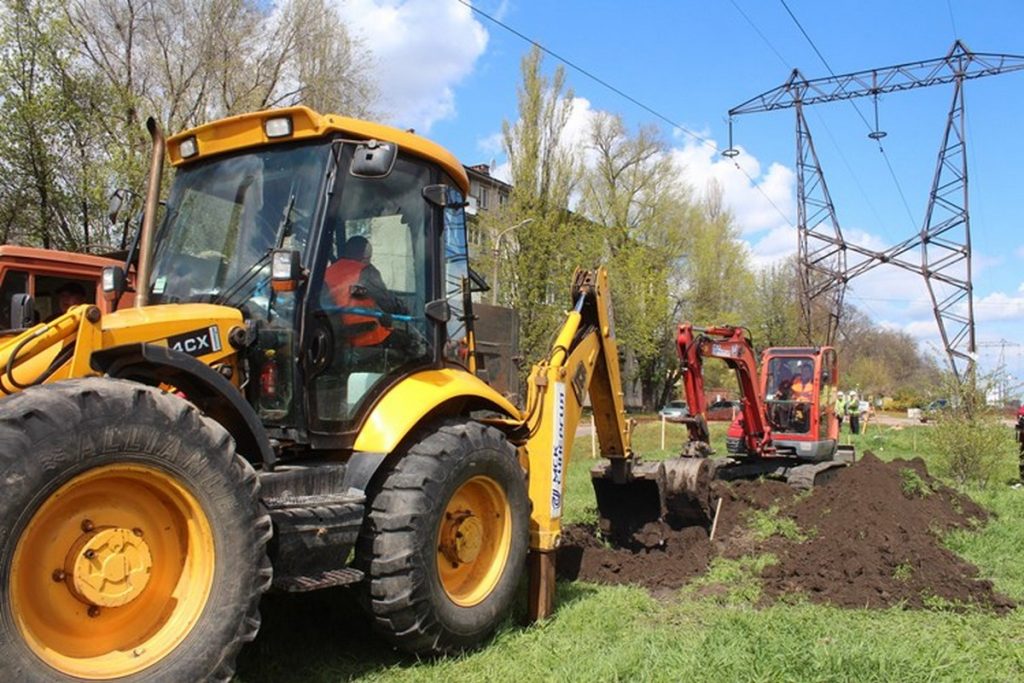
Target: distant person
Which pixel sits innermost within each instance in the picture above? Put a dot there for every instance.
(840, 408)
(357, 287)
(68, 295)
(1020, 441)
(853, 412)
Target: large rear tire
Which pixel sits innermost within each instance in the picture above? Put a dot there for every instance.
(445, 542)
(132, 543)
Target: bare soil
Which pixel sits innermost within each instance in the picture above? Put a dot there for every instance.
(871, 537)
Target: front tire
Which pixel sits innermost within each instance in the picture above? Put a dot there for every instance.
(445, 542)
(132, 544)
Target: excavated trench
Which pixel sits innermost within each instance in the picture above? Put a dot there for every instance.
(871, 537)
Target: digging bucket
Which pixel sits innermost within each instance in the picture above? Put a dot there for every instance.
(676, 491)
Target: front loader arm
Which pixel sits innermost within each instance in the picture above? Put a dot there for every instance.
(41, 353)
(583, 360)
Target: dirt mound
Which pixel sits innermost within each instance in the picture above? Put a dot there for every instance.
(871, 537)
(874, 540)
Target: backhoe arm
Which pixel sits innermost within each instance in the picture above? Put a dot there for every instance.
(732, 346)
(584, 360)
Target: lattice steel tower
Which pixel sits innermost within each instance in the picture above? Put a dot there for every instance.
(827, 260)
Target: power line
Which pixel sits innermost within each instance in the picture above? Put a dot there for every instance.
(892, 172)
(572, 65)
(763, 36)
(821, 119)
(952, 20)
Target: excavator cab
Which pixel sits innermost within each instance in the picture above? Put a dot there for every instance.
(799, 389)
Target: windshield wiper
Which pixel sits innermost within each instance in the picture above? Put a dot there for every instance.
(284, 229)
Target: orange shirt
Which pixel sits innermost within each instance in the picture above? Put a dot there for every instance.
(339, 278)
(803, 391)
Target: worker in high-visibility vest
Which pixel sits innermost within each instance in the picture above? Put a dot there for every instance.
(840, 408)
(853, 411)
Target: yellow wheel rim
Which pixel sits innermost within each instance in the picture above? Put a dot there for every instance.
(112, 572)
(474, 540)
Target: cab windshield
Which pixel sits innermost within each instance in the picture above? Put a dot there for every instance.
(789, 393)
(225, 215)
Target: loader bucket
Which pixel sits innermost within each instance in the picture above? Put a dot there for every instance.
(676, 491)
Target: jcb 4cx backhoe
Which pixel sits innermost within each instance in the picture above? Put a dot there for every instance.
(786, 429)
(291, 404)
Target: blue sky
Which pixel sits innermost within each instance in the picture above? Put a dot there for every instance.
(452, 75)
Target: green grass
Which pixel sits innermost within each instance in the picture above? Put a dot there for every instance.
(767, 523)
(711, 630)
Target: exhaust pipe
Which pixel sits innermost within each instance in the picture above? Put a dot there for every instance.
(156, 168)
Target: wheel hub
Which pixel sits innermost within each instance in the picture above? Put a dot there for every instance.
(109, 567)
(463, 538)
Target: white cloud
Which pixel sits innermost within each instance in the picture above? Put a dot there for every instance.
(758, 201)
(420, 50)
(999, 306)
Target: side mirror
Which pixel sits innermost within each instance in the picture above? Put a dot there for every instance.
(23, 312)
(285, 270)
(438, 310)
(444, 196)
(113, 282)
(477, 283)
(374, 159)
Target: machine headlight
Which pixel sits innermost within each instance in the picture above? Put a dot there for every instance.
(278, 127)
(188, 148)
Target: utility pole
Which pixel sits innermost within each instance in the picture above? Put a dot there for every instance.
(496, 253)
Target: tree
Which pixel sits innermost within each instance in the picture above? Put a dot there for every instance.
(549, 243)
(717, 275)
(774, 311)
(80, 77)
(632, 192)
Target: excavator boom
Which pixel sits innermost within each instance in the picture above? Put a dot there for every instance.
(732, 346)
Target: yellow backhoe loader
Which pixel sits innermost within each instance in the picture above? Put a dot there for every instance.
(292, 403)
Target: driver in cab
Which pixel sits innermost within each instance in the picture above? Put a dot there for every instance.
(357, 287)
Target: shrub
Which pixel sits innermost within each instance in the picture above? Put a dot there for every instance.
(969, 438)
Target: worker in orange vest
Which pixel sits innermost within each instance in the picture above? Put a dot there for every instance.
(803, 385)
(357, 287)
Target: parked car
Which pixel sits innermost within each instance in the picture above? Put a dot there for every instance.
(932, 410)
(723, 411)
(674, 411)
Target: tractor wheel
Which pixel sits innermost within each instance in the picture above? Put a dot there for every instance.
(445, 542)
(132, 545)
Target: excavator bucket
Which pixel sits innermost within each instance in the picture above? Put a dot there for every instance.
(631, 495)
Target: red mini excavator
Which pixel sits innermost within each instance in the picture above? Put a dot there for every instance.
(787, 411)
(786, 429)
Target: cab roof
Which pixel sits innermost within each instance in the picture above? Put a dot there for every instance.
(247, 130)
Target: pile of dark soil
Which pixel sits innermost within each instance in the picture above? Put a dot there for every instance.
(660, 557)
(871, 537)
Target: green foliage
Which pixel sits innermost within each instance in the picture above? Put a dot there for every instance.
(767, 523)
(903, 572)
(969, 437)
(913, 485)
(732, 582)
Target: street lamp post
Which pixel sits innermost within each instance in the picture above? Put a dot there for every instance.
(497, 253)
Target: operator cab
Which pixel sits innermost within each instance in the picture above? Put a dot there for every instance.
(306, 199)
(799, 389)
